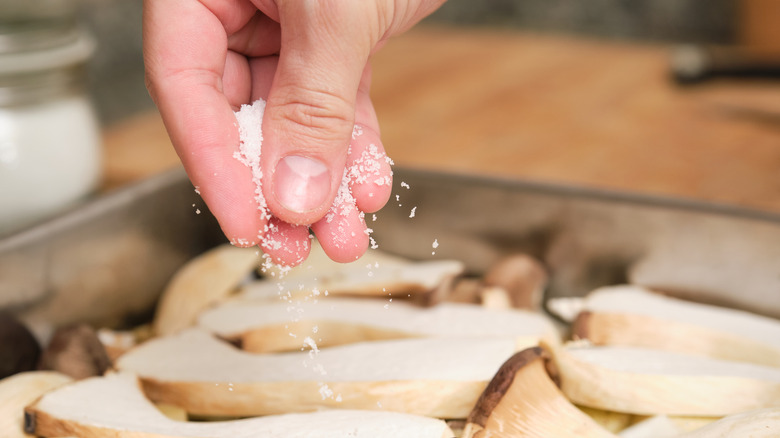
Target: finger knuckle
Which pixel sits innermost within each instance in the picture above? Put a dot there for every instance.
(320, 111)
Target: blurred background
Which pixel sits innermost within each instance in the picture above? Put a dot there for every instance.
(668, 97)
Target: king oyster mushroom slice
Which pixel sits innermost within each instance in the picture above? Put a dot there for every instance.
(202, 282)
(761, 423)
(649, 382)
(657, 426)
(265, 326)
(383, 279)
(115, 406)
(434, 377)
(20, 390)
(632, 315)
(523, 400)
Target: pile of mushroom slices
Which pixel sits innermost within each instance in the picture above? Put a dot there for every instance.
(384, 346)
(387, 346)
(640, 364)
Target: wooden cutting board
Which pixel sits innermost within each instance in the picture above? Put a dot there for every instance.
(551, 108)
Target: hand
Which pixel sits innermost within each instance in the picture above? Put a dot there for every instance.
(309, 60)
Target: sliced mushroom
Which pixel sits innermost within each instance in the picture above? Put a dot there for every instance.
(523, 278)
(657, 426)
(762, 423)
(649, 382)
(76, 351)
(609, 420)
(386, 279)
(200, 283)
(634, 316)
(435, 377)
(262, 326)
(20, 390)
(115, 406)
(665, 426)
(523, 400)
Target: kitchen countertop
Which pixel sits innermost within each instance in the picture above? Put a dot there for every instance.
(546, 108)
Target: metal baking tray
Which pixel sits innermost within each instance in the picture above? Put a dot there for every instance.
(107, 261)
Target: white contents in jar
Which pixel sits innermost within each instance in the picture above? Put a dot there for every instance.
(49, 157)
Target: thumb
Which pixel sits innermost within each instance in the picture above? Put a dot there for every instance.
(311, 105)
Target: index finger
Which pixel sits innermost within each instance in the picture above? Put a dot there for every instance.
(185, 50)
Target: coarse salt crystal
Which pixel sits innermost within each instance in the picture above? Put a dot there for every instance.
(357, 131)
(325, 391)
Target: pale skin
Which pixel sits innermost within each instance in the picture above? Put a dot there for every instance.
(310, 60)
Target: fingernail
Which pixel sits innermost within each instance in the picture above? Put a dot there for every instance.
(302, 184)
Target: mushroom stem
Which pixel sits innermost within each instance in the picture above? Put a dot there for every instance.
(114, 406)
(523, 400)
(208, 377)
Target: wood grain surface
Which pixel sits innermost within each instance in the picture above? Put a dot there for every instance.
(559, 109)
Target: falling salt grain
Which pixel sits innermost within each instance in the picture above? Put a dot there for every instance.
(435, 245)
(405, 185)
(325, 391)
(413, 210)
(309, 342)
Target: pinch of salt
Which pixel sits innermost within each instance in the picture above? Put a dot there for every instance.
(250, 131)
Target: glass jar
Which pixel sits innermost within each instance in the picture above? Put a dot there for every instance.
(49, 133)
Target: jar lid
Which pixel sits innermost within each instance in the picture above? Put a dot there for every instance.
(40, 47)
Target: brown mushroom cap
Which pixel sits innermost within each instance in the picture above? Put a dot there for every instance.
(522, 276)
(77, 352)
(19, 350)
(524, 400)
